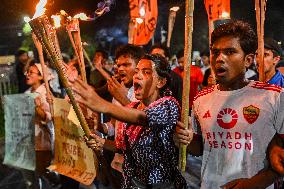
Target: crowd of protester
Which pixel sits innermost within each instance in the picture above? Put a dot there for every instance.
(237, 122)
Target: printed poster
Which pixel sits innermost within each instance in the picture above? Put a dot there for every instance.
(72, 157)
(19, 111)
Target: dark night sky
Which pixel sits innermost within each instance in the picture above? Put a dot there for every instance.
(12, 12)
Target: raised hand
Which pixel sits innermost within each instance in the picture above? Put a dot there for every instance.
(39, 109)
(118, 90)
(71, 71)
(87, 96)
(37, 43)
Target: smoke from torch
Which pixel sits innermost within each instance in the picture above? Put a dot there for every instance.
(103, 7)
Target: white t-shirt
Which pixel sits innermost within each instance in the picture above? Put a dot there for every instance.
(237, 127)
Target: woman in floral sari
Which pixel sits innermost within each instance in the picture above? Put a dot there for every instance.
(145, 135)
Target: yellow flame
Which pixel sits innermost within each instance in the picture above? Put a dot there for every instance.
(174, 9)
(82, 16)
(56, 20)
(40, 8)
(225, 15)
(27, 19)
(63, 13)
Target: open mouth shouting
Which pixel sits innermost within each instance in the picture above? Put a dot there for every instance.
(137, 88)
(220, 71)
(122, 76)
(28, 79)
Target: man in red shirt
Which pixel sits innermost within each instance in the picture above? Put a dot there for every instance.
(196, 76)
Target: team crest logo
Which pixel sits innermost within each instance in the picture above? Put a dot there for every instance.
(227, 118)
(251, 113)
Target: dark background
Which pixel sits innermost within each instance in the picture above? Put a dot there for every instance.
(110, 30)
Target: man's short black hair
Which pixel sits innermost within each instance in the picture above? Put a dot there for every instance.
(280, 64)
(163, 47)
(20, 52)
(130, 50)
(180, 53)
(103, 52)
(239, 29)
(204, 53)
(271, 44)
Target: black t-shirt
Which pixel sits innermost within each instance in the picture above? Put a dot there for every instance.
(176, 86)
(22, 86)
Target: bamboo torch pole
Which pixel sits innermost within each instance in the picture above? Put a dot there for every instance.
(260, 17)
(189, 7)
(171, 23)
(73, 26)
(47, 36)
(131, 32)
(88, 59)
(78, 42)
(44, 72)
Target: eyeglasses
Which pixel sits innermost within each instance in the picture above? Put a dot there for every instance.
(30, 73)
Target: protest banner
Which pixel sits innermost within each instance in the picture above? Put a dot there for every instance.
(19, 131)
(217, 9)
(143, 20)
(72, 157)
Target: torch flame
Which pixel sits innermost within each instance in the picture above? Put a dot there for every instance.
(174, 9)
(40, 8)
(56, 20)
(225, 15)
(82, 16)
(27, 19)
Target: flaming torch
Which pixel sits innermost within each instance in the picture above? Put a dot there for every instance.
(73, 27)
(171, 23)
(47, 36)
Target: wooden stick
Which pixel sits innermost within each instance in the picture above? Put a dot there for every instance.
(210, 30)
(77, 45)
(131, 32)
(44, 72)
(47, 36)
(186, 79)
(260, 17)
(88, 59)
(72, 42)
(171, 23)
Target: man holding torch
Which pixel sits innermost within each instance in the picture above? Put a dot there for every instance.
(236, 118)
